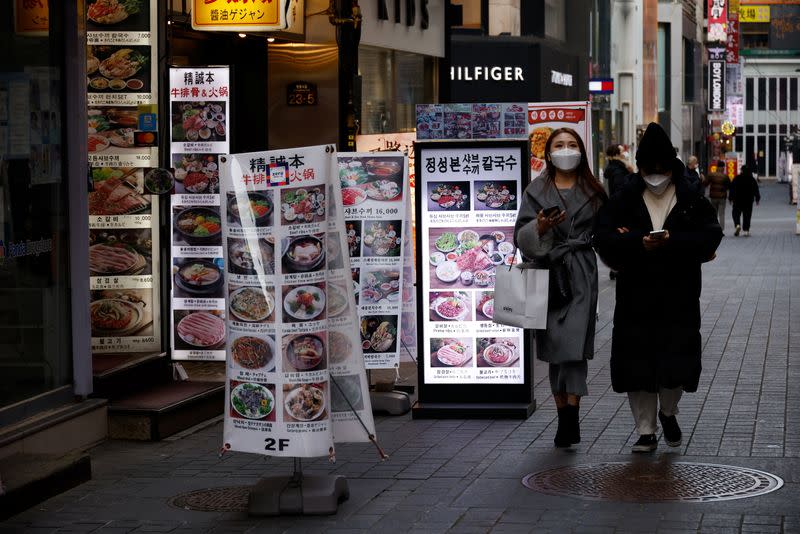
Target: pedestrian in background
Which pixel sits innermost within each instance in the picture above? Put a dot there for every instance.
(616, 171)
(718, 184)
(693, 174)
(657, 232)
(743, 191)
(554, 229)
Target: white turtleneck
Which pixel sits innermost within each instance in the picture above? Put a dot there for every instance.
(659, 206)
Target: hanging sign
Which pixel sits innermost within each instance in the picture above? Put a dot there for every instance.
(199, 132)
(717, 20)
(716, 82)
(241, 16)
(754, 14)
(296, 381)
(732, 47)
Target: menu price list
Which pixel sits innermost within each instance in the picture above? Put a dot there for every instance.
(466, 225)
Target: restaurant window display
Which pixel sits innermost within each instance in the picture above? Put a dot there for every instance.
(35, 354)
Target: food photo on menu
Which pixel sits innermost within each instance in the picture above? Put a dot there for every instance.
(252, 400)
(251, 304)
(372, 178)
(448, 196)
(450, 306)
(121, 312)
(452, 352)
(118, 15)
(301, 205)
(382, 238)
(353, 234)
(496, 195)
(337, 298)
(253, 352)
(117, 191)
(346, 393)
(120, 252)
(251, 256)
(198, 278)
(196, 173)
(340, 348)
(538, 138)
(305, 403)
(484, 306)
(468, 258)
(118, 68)
(304, 302)
(199, 121)
(304, 352)
(303, 254)
(486, 121)
(257, 210)
(379, 333)
(380, 286)
(112, 127)
(497, 352)
(198, 226)
(199, 329)
(334, 250)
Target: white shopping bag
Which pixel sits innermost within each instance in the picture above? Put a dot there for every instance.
(520, 296)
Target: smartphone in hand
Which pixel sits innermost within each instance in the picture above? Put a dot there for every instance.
(658, 234)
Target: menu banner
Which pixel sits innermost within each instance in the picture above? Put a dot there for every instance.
(375, 196)
(123, 215)
(546, 117)
(471, 121)
(199, 105)
(296, 380)
(469, 195)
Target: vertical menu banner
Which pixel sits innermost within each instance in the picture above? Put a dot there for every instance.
(199, 111)
(546, 117)
(375, 196)
(468, 196)
(123, 215)
(296, 376)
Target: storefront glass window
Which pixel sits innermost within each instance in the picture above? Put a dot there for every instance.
(393, 83)
(555, 19)
(34, 306)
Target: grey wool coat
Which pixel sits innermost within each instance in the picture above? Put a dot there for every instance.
(570, 330)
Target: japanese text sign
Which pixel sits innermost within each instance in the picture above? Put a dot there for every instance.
(240, 15)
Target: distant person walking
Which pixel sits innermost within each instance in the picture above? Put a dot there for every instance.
(693, 174)
(743, 191)
(616, 171)
(554, 229)
(718, 184)
(656, 233)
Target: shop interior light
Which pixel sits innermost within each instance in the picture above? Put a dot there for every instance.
(242, 35)
(270, 39)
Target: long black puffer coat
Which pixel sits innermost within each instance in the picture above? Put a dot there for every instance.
(656, 339)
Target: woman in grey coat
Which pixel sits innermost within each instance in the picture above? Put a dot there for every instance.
(554, 231)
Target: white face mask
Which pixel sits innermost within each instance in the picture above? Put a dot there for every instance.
(657, 183)
(566, 159)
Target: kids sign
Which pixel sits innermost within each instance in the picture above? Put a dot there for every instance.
(241, 15)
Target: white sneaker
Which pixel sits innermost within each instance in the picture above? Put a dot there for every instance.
(747, 233)
(738, 229)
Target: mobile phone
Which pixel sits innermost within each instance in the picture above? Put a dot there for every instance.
(658, 234)
(552, 211)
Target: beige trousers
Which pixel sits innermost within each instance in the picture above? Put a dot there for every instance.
(644, 406)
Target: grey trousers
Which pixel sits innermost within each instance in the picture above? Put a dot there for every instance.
(569, 378)
(719, 205)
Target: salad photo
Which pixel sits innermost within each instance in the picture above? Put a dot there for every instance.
(470, 257)
(497, 352)
(199, 121)
(302, 205)
(118, 15)
(451, 352)
(304, 352)
(250, 400)
(304, 303)
(118, 69)
(382, 238)
(450, 306)
(196, 173)
(496, 195)
(304, 402)
(379, 333)
(448, 196)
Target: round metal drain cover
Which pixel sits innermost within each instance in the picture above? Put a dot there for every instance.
(654, 482)
(225, 499)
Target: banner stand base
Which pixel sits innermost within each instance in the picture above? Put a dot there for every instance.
(394, 402)
(298, 494)
(451, 410)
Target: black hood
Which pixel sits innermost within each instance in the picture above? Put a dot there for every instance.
(655, 147)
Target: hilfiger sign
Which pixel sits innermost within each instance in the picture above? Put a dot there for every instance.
(716, 83)
(487, 73)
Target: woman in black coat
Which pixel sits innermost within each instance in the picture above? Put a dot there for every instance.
(656, 346)
(742, 192)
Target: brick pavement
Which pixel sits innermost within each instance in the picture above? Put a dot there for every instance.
(464, 475)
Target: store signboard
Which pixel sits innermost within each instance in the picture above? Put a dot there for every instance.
(717, 20)
(735, 110)
(716, 82)
(31, 18)
(255, 16)
(732, 47)
(415, 26)
(199, 100)
(375, 196)
(545, 117)
(754, 14)
(784, 27)
(467, 200)
(124, 252)
(296, 381)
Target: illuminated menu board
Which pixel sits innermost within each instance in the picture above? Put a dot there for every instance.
(468, 196)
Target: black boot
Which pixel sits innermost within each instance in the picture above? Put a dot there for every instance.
(573, 424)
(562, 433)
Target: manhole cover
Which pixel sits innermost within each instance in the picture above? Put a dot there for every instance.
(226, 499)
(646, 482)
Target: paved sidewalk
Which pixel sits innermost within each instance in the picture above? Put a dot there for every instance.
(464, 475)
